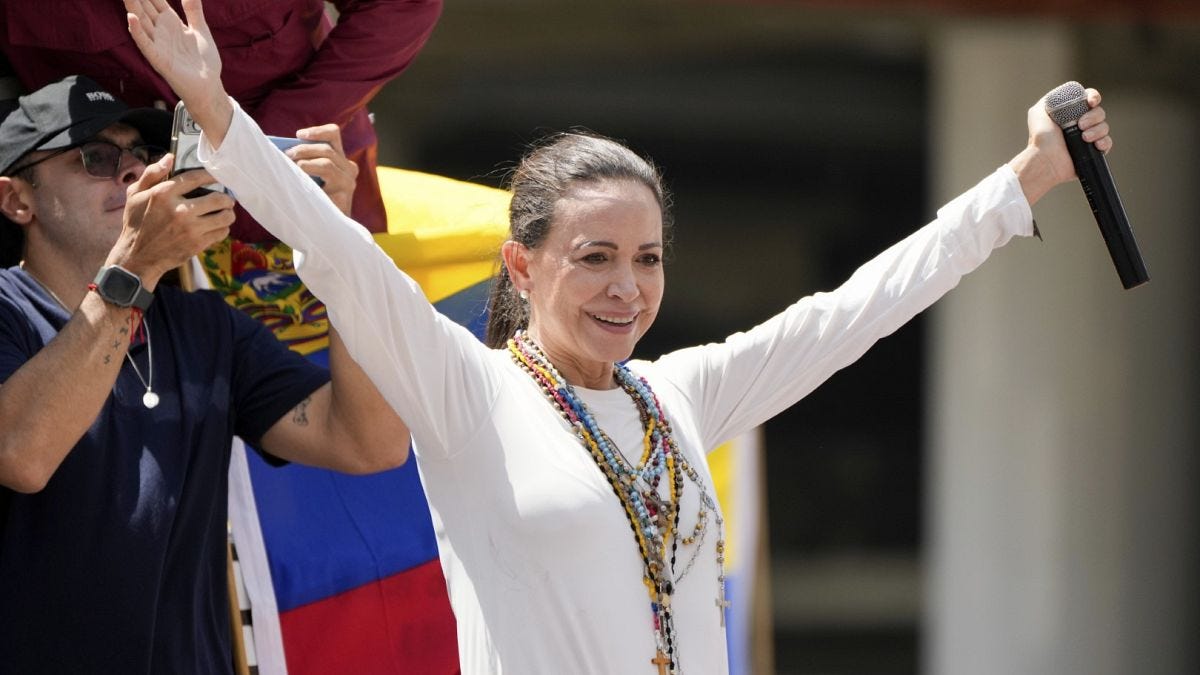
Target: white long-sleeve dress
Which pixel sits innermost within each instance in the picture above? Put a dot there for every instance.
(543, 572)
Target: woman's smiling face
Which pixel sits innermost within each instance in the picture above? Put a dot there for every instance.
(596, 281)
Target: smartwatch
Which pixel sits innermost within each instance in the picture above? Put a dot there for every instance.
(123, 288)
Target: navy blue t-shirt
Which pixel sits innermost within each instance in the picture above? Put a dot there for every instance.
(118, 565)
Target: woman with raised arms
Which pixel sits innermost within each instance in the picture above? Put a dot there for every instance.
(577, 524)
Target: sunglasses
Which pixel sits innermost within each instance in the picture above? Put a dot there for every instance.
(102, 159)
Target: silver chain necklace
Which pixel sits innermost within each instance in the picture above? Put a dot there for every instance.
(149, 399)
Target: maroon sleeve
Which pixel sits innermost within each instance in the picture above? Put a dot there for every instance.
(374, 41)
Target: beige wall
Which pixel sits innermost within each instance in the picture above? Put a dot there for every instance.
(1062, 412)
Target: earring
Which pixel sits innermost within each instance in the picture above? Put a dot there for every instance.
(524, 294)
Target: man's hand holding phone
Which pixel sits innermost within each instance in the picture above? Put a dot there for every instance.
(318, 152)
(163, 227)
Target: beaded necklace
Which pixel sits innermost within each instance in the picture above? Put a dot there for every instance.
(654, 522)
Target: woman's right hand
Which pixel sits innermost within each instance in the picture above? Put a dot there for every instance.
(186, 56)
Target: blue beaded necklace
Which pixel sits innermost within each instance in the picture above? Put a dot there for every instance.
(654, 521)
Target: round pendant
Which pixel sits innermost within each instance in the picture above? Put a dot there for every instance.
(149, 399)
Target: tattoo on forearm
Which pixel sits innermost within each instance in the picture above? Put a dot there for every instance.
(116, 344)
(300, 413)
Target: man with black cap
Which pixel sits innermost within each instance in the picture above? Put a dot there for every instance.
(119, 397)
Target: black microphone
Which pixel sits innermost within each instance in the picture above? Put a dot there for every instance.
(1065, 105)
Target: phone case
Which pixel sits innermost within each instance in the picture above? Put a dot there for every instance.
(185, 142)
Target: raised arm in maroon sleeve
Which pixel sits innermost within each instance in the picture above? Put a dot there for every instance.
(373, 41)
(283, 64)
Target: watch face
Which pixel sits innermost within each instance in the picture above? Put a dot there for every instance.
(119, 285)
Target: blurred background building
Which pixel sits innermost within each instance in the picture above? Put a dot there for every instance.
(1009, 484)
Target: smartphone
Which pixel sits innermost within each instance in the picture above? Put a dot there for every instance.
(284, 143)
(185, 141)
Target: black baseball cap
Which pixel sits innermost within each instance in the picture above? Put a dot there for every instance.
(70, 112)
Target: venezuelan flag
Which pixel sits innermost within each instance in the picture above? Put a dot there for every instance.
(737, 471)
(341, 572)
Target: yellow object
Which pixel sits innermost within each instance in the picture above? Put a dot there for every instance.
(444, 233)
(721, 465)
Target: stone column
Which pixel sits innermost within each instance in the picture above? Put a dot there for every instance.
(1062, 410)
